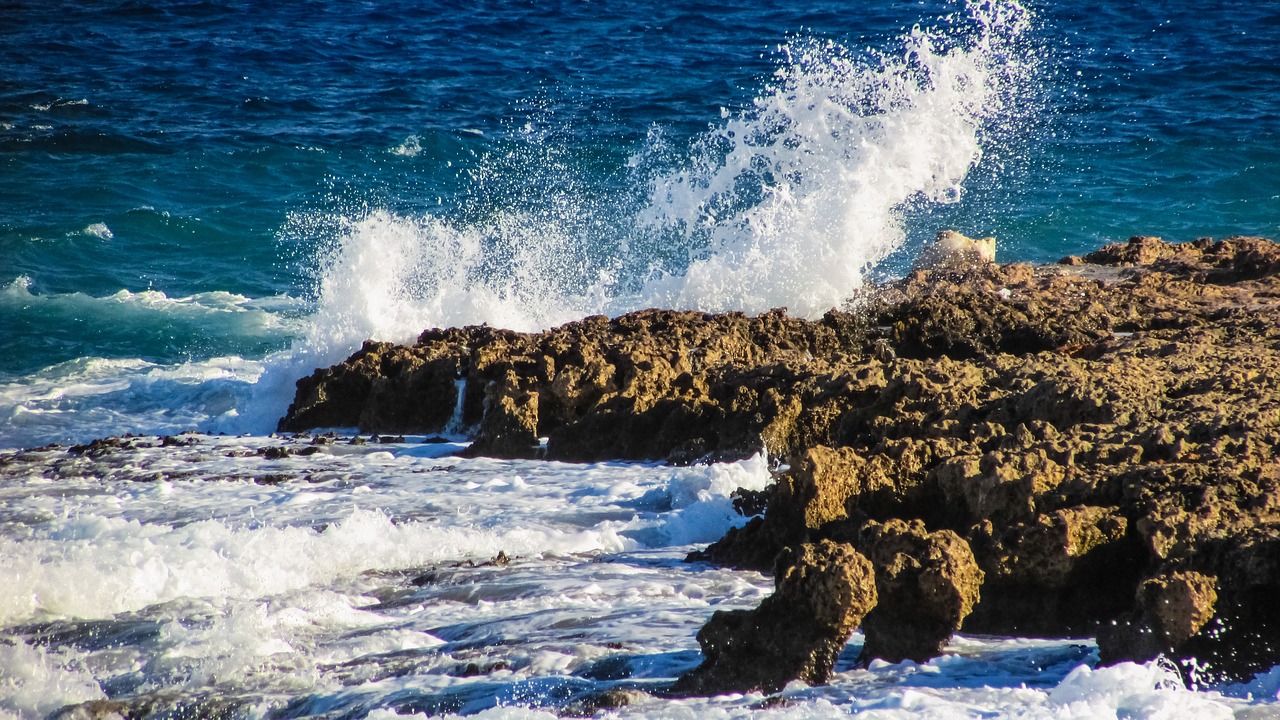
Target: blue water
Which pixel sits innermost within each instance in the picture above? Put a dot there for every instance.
(202, 201)
(178, 181)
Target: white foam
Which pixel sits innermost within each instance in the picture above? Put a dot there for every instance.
(95, 567)
(701, 507)
(90, 397)
(35, 682)
(99, 230)
(410, 147)
(1142, 692)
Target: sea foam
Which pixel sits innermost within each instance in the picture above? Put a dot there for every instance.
(786, 202)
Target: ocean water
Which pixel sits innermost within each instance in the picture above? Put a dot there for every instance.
(202, 201)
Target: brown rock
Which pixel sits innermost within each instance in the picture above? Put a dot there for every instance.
(820, 482)
(510, 426)
(1171, 609)
(1001, 487)
(1061, 574)
(927, 584)
(821, 593)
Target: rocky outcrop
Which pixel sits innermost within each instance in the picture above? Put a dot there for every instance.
(654, 384)
(927, 583)
(822, 591)
(1102, 435)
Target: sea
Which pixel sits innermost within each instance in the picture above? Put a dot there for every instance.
(203, 200)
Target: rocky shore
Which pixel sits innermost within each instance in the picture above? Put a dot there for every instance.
(1085, 449)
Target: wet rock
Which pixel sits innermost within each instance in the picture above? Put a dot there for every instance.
(613, 698)
(927, 584)
(510, 426)
(821, 593)
(1171, 608)
(1064, 572)
(155, 705)
(1086, 428)
(643, 385)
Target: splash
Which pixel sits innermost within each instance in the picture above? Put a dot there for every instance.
(788, 202)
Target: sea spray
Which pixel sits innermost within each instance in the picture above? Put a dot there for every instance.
(785, 203)
(789, 203)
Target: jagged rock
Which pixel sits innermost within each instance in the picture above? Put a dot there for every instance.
(927, 583)
(1171, 609)
(1000, 487)
(1062, 573)
(510, 425)
(821, 593)
(644, 385)
(820, 482)
(1085, 427)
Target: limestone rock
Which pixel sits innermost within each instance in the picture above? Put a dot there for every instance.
(1064, 572)
(821, 593)
(927, 583)
(1171, 608)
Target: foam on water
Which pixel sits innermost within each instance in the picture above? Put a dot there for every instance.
(339, 585)
(117, 546)
(95, 397)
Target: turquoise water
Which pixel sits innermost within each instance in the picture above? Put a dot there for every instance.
(201, 180)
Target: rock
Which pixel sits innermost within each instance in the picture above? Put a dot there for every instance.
(1000, 487)
(822, 591)
(510, 425)
(613, 698)
(1171, 609)
(1086, 428)
(1063, 573)
(818, 486)
(927, 583)
(646, 385)
(952, 251)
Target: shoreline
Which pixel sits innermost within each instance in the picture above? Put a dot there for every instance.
(1092, 444)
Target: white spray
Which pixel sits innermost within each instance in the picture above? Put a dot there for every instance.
(788, 202)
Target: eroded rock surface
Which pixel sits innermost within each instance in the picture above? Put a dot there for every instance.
(1103, 435)
(927, 583)
(822, 591)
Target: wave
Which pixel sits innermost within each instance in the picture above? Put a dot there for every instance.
(788, 202)
(96, 397)
(253, 315)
